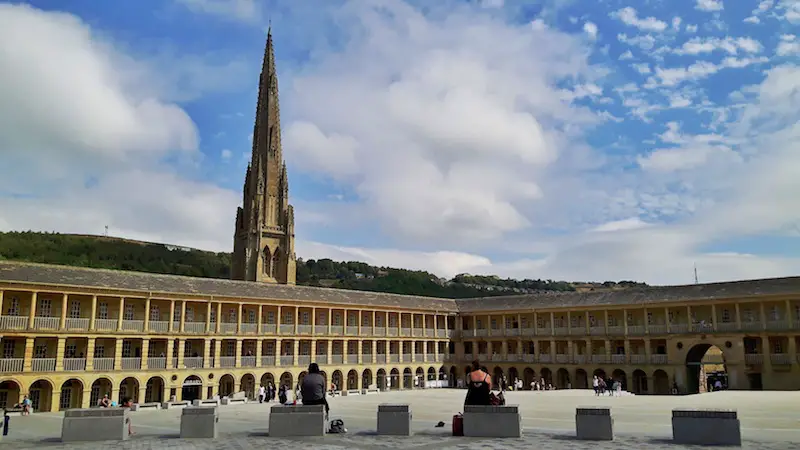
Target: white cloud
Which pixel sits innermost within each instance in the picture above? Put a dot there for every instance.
(676, 23)
(492, 3)
(709, 5)
(691, 28)
(629, 17)
(730, 45)
(788, 45)
(752, 19)
(225, 154)
(626, 55)
(642, 68)
(590, 29)
(239, 10)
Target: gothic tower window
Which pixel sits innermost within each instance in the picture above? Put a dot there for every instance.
(275, 262)
(267, 261)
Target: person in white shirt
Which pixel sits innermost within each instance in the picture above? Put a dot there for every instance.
(262, 394)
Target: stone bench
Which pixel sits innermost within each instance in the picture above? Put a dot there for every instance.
(394, 420)
(350, 392)
(706, 427)
(370, 391)
(95, 424)
(229, 401)
(297, 420)
(492, 421)
(594, 423)
(13, 412)
(199, 422)
(206, 402)
(168, 405)
(149, 405)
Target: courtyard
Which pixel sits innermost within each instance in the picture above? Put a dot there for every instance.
(769, 420)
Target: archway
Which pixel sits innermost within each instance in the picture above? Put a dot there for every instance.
(547, 375)
(129, 389)
(705, 365)
(497, 377)
(192, 388)
(639, 382)
(154, 390)
(248, 385)
(100, 388)
(661, 382)
(287, 380)
(562, 379)
(528, 377)
(41, 395)
(452, 380)
(599, 373)
(325, 379)
(419, 377)
(71, 394)
(9, 394)
(226, 383)
(337, 379)
(432, 377)
(352, 380)
(267, 379)
(381, 379)
(394, 379)
(408, 379)
(513, 376)
(581, 379)
(366, 379)
(620, 376)
(300, 378)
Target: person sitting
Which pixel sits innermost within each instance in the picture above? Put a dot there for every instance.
(104, 402)
(26, 406)
(479, 386)
(312, 390)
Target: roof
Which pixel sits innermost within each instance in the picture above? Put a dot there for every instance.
(77, 277)
(635, 296)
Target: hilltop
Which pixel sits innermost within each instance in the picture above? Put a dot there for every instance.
(124, 254)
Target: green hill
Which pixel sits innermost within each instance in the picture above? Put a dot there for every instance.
(123, 254)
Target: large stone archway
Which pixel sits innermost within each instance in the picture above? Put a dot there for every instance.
(705, 363)
(71, 394)
(154, 390)
(41, 395)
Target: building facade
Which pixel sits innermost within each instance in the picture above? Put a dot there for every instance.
(71, 335)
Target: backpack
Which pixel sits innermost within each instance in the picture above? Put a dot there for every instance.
(337, 426)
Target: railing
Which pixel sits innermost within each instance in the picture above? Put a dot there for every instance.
(133, 325)
(13, 322)
(43, 364)
(416, 332)
(303, 360)
(528, 357)
(618, 359)
(174, 363)
(304, 329)
(193, 362)
(352, 359)
(287, 360)
(248, 361)
(562, 358)
(366, 358)
(380, 358)
(156, 362)
(176, 325)
(73, 364)
(194, 327)
(754, 359)
(405, 331)
(227, 328)
(249, 328)
(287, 328)
(638, 359)
(580, 359)
(337, 359)
(46, 323)
(337, 330)
(407, 357)
(320, 330)
(678, 328)
(394, 358)
(268, 328)
(577, 330)
(635, 330)
(419, 357)
(600, 359)
(658, 359)
(509, 357)
(379, 331)
(351, 331)
(616, 330)
(597, 331)
(103, 364)
(726, 326)
(751, 326)
(267, 361)
(657, 328)
(702, 327)
(227, 361)
(780, 359)
(561, 331)
(158, 326)
(781, 324)
(393, 332)
(77, 324)
(11, 365)
(131, 363)
(105, 324)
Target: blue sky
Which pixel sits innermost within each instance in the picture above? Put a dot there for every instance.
(551, 138)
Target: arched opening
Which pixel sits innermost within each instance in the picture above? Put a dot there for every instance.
(266, 261)
(528, 377)
(287, 380)
(547, 376)
(101, 387)
(513, 376)
(71, 394)
(337, 380)
(9, 394)
(366, 379)
(705, 369)
(599, 373)
(432, 377)
(619, 376)
(639, 379)
(248, 385)
(452, 379)
(497, 377)
(381, 379)
(581, 379)
(419, 377)
(408, 379)
(300, 377)
(562, 379)
(276, 263)
(154, 390)
(226, 383)
(661, 382)
(129, 389)
(267, 380)
(394, 379)
(41, 395)
(192, 388)
(352, 380)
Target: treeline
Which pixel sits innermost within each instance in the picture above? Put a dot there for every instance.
(122, 254)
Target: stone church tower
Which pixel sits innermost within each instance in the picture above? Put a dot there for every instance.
(263, 243)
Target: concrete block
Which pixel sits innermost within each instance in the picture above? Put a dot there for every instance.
(230, 401)
(168, 405)
(594, 423)
(297, 420)
(394, 420)
(492, 421)
(706, 427)
(240, 394)
(95, 424)
(141, 406)
(199, 422)
(206, 402)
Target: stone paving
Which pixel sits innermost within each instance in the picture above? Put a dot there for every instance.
(769, 420)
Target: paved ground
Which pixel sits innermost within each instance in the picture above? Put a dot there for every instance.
(769, 420)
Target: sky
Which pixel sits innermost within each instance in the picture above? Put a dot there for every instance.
(555, 139)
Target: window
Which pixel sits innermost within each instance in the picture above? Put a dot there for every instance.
(75, 309)
(102, 311)
(629, 319)
(231, 315)
(154, 313)
(187, 348)
(539, 322)
(70, 351)
(612, 321)
(213, 315)
(189, 314)
(671, 317)
(251, 316)
(231, 347)
(323, 318)
(13, 306)
(270, 348)
(649, 318)
(392, 320)
(176, 313)
(364, 320)
(573, 321)
(126, 349)
(45, 308)
(378, 321)
(128, 312)
(748, 315)
(797, 312)
(8, 348)
(271, 317)
(478, 323)
(726, 315)
(774, 313)
(592, 322)
(352, 320)
(288, 318)
(305, 318)
(509, 324)
(337, 319)
(40, 351)
(494, 324)
(99, 351)
(777, 347)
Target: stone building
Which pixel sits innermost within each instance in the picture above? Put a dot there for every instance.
(71, 335)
